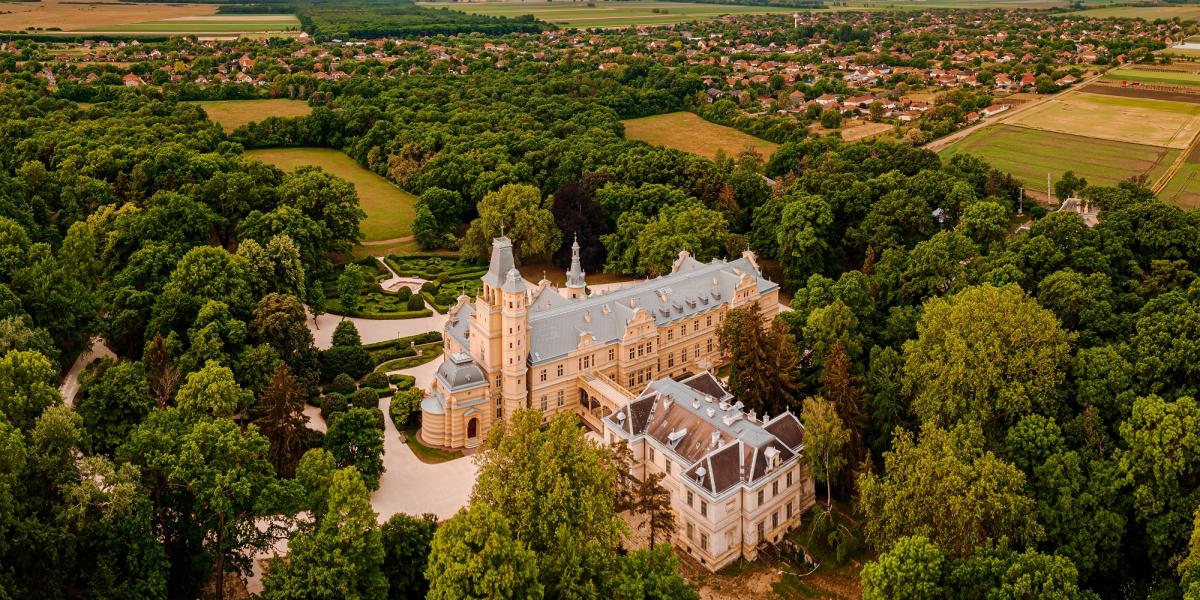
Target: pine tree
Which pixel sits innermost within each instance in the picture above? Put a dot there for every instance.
(654, 502)
(839, 387)
(164, 377)
(280, 418)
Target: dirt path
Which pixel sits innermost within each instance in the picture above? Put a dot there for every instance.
(399, 240)
(70, 384)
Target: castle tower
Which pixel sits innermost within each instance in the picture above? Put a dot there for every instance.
(515, 342)
(487, 323)
(576, 282)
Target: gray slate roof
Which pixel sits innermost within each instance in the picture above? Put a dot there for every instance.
(555, 327)
(459, 372)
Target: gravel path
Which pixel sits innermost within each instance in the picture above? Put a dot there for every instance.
(70, 384)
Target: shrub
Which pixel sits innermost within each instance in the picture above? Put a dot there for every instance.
(346, 334)
(416, 303)
(444, 298)
(354, 361)
(332, 404)
(405, 407)
(365, 398)
(403, 294)
(429, 287)
(1037, 212)
(402, 381)
(377, 381)
(343, 384)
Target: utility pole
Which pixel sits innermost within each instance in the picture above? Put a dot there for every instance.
(1049, 197)
(1021, 202)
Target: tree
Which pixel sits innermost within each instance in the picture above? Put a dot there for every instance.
(885, 405)
(520, 212)
(1068, 186)
(163, 376)
(803, 236)
(226, 472)
(212, 392)
(350, 284)
(1163, 463)
(280, 417)
(985, 222)
(825, 438)
(438, 214)
(407, 542)
(26, 387)
(652, 574)
(580, 217)
(831, 118)
(113, 398)
(987, 354)
(653, 501)
(912, 569)
(326, 199)
(347, 355)
(356, 440)
(841, 389)
(763, 364)
(341, 556)
(280, 321)
(475, 556)
(945, 487)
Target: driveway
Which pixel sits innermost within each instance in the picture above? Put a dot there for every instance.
(70, 384)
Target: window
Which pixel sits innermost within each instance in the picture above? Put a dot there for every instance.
(703, 508)
(689, 497)
(641, 349)
(667, 462)
(760, 497)
(789, 479)
(560, 370)
(710, 344)
(774, 519)
(691, 532)
(544, 403)
(670, 334)
(543, 375)
(774, 488)
(695, 325)
(497, 380)
(696, 351)
(560, 397)
(671, 361)
(683, 355)
(704, 541)
(631, 351)
(761, 530)
(708, 321)
(612, 354)
(631, 380)
(499, 414)
(789, 510)
(651, 454)
(649, 347)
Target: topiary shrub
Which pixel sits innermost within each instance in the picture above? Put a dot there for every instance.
(332, 404)
(376, 380)
(402, 381)
(444, 298)
(429, 287)
(405, 408)
(346, 334)
(343, 384)
(354, 361)
(416, 303)
(365, 398)
(404, 293)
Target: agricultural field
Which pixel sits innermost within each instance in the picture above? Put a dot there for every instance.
(1184, 187)
(608, 14)
(690, 133)
(1182, 12)
(864, 131)
(101, 17)
(1156, 75)
(1029, 154)
(231, 114)
(390, 210)
(1123, 119)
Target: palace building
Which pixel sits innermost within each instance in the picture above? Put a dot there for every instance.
(525, 345)
(737, 481)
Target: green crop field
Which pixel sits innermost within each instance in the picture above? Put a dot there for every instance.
(223, 24)
(688, 132)
(1148, 76)
(390, 210)
(231, 114)
(1029, 154)
(608, 14)
(1184, 187)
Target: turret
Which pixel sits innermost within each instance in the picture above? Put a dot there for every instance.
(486, 324)
(576, 282)
(514, 341)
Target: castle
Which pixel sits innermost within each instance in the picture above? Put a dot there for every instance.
(525, 345)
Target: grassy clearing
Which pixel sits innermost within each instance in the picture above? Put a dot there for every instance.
(1029, 154)
(608, 14)
(688, 132)
(1118, 118)
(424, 453)
(1146, 76)
(390, 210)
(231, 114)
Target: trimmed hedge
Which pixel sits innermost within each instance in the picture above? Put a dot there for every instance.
(376, 381)
(332, 404)
(343, 384)
(365, 398)
(402, 381)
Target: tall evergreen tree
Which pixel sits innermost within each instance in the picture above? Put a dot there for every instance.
(280, 417)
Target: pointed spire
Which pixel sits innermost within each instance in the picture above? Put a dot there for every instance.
(575, 276)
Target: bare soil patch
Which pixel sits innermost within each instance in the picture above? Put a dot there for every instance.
(1143, 91)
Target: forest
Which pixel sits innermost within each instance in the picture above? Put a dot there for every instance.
(1010, 415)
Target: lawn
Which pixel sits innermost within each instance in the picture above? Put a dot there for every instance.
(1154, 76)
(203, 25)
(1029, 154)
(390, 210)
(1123, 119)
(608, 14)
(231, 114)
(688, 132)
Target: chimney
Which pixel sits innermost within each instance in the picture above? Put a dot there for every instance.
(716, 438)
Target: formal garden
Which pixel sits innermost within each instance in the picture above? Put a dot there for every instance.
(447, 277)
(353, 289)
